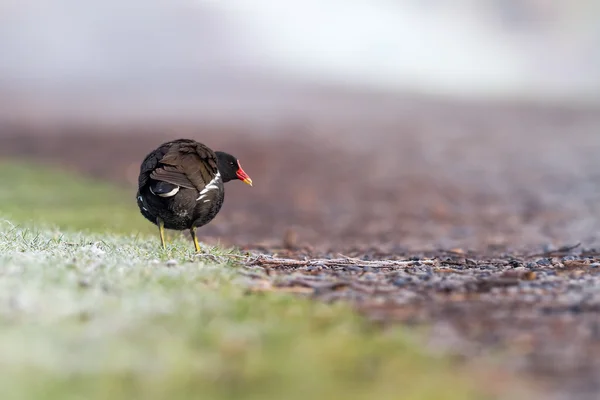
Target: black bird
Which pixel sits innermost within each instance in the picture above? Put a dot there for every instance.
(181, 185)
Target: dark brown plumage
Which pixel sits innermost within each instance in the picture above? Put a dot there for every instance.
(180, 185)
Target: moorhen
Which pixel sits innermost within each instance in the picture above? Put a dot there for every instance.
(180, 185)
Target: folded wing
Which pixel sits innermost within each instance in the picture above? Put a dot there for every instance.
(181, 163)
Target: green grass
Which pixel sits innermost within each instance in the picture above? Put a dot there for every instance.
(96, 315)
(68, 201)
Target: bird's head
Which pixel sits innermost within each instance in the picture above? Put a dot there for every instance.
(230, 168)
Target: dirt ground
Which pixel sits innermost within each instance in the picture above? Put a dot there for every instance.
(487, 217)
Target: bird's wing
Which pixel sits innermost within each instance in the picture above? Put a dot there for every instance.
(188, 164)
(150, 163)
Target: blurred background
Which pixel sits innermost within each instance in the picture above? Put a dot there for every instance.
(402, 124)
(207, 59)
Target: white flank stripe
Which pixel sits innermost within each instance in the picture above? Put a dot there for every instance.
(169, 194)
(142, 201)
(211, 186)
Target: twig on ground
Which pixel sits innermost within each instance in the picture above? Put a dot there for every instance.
(336, 262)
(553, 253)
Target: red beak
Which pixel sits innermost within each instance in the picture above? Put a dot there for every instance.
(243, 176)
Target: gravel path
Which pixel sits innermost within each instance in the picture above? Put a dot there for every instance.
(540, 311)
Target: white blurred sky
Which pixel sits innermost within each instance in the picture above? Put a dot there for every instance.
(460, 47)
(451, 46)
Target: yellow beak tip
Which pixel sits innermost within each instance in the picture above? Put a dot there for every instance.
(248, 181)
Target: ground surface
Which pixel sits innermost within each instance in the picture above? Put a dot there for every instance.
(86, 313)
(479, 197)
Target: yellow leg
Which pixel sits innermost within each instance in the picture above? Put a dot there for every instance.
(161, 230)
(195, 237)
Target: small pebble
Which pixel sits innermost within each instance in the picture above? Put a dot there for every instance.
(353, 268)
(529, 275)
(84, 283)
(290, 239)
(171, 263)
(514, 263)
(544, 262)
(399, 282)
(314, 268)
